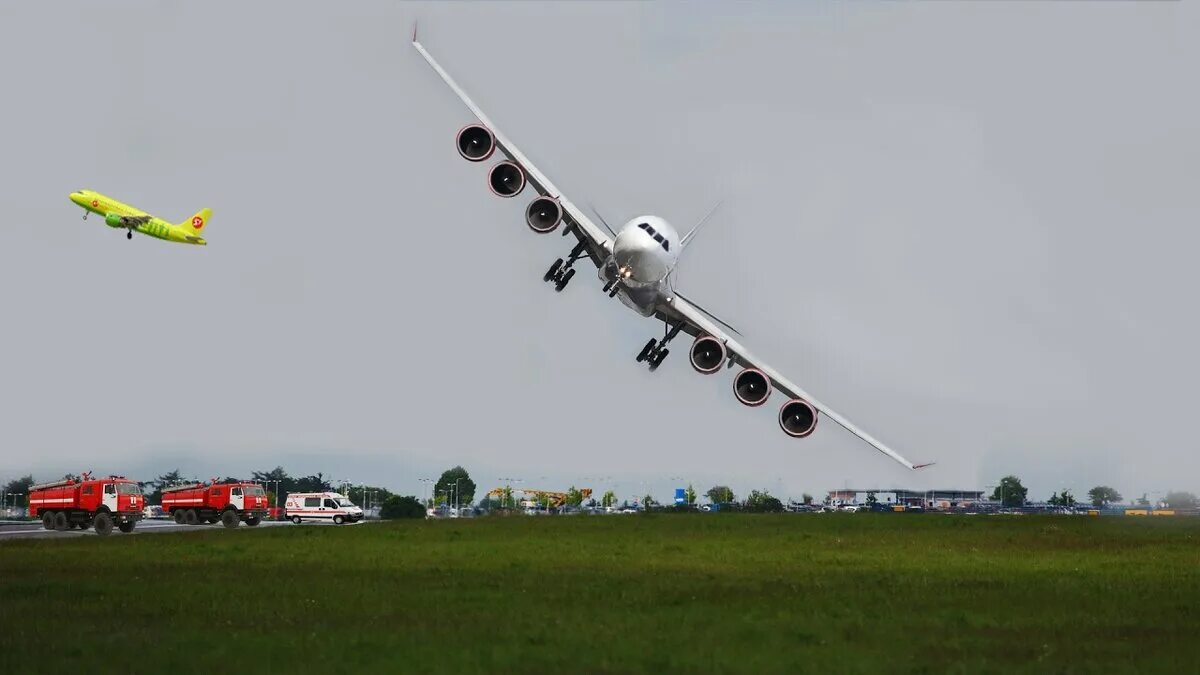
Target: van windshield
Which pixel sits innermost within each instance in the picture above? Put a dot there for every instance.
(342, 501)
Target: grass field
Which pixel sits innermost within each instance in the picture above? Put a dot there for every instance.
(662, 593)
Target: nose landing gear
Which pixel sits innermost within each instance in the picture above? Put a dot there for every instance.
(655, 351)
(561, 272)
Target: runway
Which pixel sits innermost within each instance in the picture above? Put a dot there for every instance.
(12, 530)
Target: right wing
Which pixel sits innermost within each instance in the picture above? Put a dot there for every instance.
(599, 244)
(697, 322)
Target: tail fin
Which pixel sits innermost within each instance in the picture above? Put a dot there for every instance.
(687, 238)
(198, 221)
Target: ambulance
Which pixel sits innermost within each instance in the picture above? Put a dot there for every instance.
(331, 506)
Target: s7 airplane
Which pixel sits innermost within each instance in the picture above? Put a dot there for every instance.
(126, 217)
(635, 264)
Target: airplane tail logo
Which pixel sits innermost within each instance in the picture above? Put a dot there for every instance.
(199, 220)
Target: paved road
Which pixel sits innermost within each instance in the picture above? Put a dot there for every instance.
(21, 530)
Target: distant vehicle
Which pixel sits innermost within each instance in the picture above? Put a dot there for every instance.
(849, 508)
(88, 502)
(125, 217)
(332, 506)
(153, 512)
(231, 503)
(629, 509)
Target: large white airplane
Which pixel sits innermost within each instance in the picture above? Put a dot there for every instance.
(635, 264)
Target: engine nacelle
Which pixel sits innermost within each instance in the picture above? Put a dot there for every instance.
(752, 387)
(708, 353)
(506, 179)
(114, 220)
(475, 143)
(543, 215)
(797, 418)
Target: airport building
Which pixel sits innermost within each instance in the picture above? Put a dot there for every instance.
(927, 499)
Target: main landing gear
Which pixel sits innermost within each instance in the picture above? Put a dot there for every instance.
(655, 351)
(129, 234)
(561, 272)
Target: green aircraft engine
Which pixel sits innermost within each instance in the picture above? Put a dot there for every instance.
(113, 220)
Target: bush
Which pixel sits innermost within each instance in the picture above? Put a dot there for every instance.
(402, 507)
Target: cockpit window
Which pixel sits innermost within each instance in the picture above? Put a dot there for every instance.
(666, 245)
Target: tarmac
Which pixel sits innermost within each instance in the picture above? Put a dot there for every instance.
(20, 529)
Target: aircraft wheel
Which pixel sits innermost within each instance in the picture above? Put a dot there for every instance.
(129, 234)
(553, 268)
(646, 350)
(657, 360)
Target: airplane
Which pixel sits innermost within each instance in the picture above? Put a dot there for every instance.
(636, 264)
(123, 216)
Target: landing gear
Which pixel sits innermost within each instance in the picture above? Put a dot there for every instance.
(85, 215)
(129, 234)
(656, 351)
(562, 271)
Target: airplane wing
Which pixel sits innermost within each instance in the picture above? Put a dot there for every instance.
(698, 322)
(135, 220)
(598, 242)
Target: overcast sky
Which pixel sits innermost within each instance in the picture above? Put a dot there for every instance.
(969, 227)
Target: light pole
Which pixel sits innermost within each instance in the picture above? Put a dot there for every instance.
(457, 497)
(425, 490)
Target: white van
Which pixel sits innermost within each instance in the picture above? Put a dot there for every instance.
(303, 506)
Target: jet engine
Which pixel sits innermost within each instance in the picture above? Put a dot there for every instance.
(798, 418)
(544, 214)
(506, 179)
(752, 387)
(708, 353)
(114, 220)
(475, 143)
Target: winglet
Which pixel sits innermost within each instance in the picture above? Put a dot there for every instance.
(414, 32)
(922, 466)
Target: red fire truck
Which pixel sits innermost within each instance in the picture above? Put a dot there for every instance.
(230, 503)
(88, 502)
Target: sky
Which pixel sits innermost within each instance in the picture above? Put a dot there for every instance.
(968, 227)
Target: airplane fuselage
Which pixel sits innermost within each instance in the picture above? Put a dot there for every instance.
(116, 213)
(645, 252)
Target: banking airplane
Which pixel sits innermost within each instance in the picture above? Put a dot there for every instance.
(635, 264)
(126, 217)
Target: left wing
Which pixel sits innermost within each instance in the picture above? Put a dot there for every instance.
(599, 244)
(698, 322)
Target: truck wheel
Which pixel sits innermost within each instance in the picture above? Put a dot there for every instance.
(60, 521)
(126, 526)
(296, 519)
(253, 521)
(230, 519)
(178, 515)
(191, 517)
(338, 520)
(48, 520)
(103, 524)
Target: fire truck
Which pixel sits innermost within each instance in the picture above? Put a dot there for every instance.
(88, 502)
(231, 503)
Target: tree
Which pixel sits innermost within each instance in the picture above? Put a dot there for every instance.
(1180, 500)
(763, 502)
(1010, 492)
(807, 498)
(1102, 496)
(609, 499)
(647, 502)
(872, 500)
(20, 486)
(690, 494)
(574, 496)
(463, 493)
(402, 507)
(720, 494)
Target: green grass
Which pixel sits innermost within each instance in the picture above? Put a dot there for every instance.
(666, 593)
